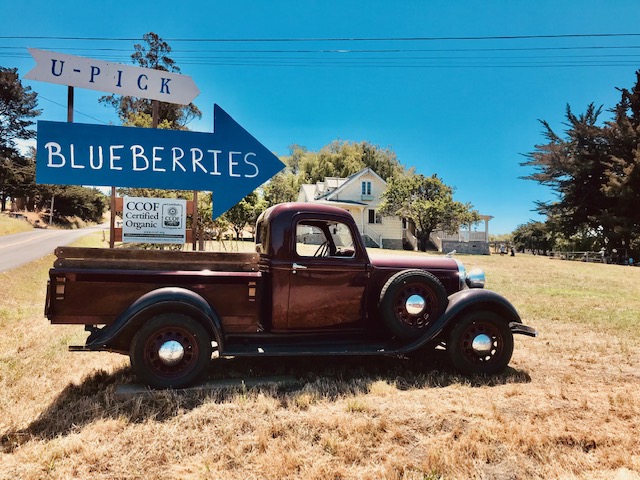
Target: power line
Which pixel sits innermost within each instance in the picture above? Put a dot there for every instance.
(433, 66)
(75, 111)
(20, 50)
(336, 39)
(469, 57)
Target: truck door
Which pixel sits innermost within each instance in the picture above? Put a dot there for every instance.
(328, 276)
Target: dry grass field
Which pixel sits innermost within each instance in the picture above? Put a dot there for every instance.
(567, 407)
(10, 225)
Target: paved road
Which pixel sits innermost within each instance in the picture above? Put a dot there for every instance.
(21, 248)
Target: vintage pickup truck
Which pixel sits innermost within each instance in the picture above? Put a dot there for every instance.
(310, 289)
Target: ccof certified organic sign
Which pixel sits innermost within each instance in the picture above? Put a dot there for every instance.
(154, 220)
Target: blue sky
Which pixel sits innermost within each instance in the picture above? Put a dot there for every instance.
(466, 109)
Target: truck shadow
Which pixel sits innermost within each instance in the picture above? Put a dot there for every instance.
(328, 378)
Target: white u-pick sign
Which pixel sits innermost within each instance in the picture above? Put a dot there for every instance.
(115, 78)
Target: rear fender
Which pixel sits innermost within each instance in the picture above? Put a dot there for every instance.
(117, 336)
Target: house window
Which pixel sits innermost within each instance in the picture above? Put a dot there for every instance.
(374, 217)
(366, 188)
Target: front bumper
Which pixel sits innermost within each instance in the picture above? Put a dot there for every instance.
(519, 328)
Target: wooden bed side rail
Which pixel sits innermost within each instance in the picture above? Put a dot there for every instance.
(78, 257)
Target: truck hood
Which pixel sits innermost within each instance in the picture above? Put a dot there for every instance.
(402, 262)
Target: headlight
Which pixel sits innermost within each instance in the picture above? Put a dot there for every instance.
(462, 275)
(475, 278)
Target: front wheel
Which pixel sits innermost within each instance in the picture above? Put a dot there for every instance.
(170, 351)
(480, 343)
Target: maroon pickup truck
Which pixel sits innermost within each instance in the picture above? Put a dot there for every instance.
(310, 289)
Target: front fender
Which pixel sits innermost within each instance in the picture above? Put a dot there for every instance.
(480, 299)
(152, 303)
(462, 302)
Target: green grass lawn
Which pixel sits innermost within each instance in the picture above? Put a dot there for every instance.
(605, 297)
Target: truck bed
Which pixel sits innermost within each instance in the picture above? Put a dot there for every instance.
(93, 286)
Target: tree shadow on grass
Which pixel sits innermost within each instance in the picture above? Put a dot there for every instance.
(330, 378)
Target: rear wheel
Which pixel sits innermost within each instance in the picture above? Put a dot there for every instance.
(170, 351)
(480, 343)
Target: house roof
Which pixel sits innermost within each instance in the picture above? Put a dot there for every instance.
(341, 202)
(343, 182)
(309, 192)
(354, 178)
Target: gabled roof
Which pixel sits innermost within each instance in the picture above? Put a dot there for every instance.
(341, 202)
(328, 185)
(348, 180)
(309, 192)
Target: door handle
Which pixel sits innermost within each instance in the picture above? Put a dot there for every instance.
(298, 267)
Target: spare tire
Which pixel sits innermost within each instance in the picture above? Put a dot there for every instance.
(411, 301)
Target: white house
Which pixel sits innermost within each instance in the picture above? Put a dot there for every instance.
(360, 194)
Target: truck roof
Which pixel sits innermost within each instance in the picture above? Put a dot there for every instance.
(291, 208)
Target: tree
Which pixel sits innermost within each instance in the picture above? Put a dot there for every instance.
(244, 213)
(153, 53)
(138, 112)
(22, 185)
(575, 169)
(88, 204)
(10, 173)
(17, 108)
(623, 172)
(342, 159)
(383, 161)
(534, 236)
(283, 187)
(595, 172)
(428, 203)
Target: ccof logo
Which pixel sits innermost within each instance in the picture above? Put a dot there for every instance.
(172, 216)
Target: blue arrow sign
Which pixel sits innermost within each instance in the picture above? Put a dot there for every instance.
(230, 162)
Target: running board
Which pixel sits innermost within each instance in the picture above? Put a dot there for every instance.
(80, 348)
(306, 350)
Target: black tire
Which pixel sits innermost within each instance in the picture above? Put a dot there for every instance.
(468, 361)
(393, 299)
(191, 337)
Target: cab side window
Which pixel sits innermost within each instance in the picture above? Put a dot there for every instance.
(324, 239)
(310, 239)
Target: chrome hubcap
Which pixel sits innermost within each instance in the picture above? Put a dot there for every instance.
(171, 352)
(482, 344)
(415, 304)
